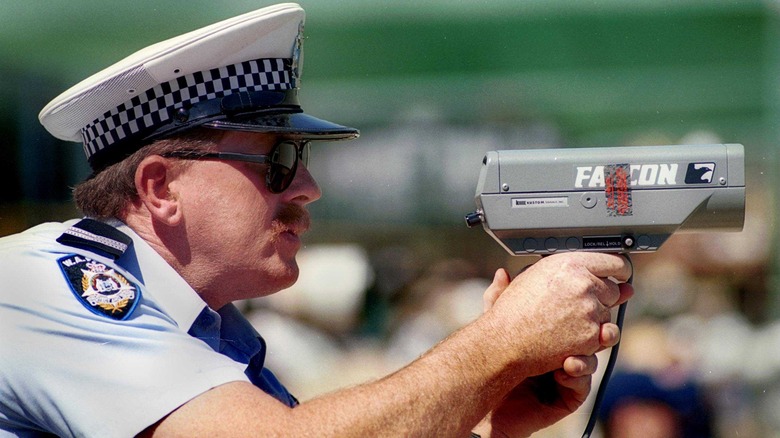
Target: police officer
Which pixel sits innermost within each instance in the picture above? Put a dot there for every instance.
(121, 323)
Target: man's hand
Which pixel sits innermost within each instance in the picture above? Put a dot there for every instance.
(558, 307)
(522, 412)
(540, 401)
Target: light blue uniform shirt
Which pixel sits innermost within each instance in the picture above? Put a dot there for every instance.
(69, 370)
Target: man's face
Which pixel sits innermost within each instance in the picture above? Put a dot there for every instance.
(246, 236)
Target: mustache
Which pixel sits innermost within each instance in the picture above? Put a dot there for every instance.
(292, 218)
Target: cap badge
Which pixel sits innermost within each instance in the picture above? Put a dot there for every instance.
(296, 57)
(100, 288)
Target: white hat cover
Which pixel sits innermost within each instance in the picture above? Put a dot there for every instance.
(239, 74)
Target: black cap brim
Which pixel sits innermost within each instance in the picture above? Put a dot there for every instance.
(296, 125)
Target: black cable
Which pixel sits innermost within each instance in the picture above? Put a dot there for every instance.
(621, 315)
(605, 379)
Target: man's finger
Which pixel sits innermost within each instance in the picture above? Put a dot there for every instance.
(605, 265)
(626, 292)
(579, 386)
(578, 366)
(609, 335)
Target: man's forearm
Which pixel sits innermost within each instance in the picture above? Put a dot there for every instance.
(555, 310)
(445, 392)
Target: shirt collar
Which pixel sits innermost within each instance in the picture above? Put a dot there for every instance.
(239, 339)
(225, 329)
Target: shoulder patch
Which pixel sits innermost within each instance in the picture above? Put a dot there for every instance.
(100, 288)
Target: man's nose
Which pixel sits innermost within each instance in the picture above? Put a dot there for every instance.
(304, 188)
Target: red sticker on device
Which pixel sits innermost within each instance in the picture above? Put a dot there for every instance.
(618, 189)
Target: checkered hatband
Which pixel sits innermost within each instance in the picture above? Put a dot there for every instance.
(156, 106)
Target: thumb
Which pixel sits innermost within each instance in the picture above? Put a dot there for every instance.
(500, 282)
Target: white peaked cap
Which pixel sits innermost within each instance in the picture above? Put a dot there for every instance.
(239, 74)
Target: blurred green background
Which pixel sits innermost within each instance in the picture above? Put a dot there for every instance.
(433, 85)
(538, 73)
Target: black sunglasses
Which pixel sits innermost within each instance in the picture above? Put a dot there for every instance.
(282, 161)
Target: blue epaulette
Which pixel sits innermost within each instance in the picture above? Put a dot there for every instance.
(96, 236)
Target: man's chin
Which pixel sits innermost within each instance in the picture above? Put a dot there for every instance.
(291, 281)
(287, 276)
(268, 280)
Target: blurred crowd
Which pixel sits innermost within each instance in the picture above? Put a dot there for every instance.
(699, 354)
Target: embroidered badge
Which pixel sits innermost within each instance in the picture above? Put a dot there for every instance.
(99, 287)
(297, 59)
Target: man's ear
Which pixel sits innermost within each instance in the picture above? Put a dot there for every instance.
(153, 179)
